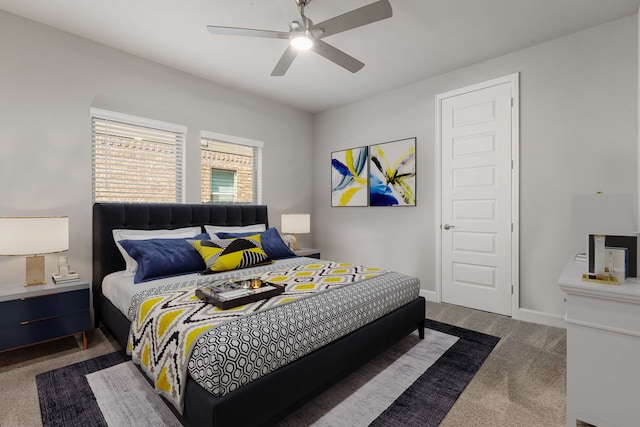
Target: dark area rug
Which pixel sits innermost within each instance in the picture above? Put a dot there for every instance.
(66, 398)
(428, 400)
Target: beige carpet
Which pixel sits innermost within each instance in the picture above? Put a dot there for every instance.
(19, 406)
(522, 383)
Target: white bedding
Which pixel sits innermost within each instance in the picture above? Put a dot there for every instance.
(120, 289)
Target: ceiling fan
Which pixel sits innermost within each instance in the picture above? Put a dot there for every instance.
(306, 35)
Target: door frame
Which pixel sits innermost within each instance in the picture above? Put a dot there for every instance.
(514, 81)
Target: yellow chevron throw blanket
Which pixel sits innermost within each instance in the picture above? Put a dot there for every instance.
(167, 324)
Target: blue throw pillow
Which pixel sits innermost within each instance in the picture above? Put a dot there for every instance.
(158, 258)
(271, 241)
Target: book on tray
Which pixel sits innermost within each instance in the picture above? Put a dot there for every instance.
(229, 293)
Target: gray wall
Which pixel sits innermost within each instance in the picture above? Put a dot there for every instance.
(48, 81)
(578, 119)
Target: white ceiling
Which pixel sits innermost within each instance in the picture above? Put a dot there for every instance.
(424, 38)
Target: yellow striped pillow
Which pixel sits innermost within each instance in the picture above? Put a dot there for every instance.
(231, 254)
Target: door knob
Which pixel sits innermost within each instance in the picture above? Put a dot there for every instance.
(447, 226)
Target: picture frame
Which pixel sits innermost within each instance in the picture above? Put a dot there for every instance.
(392, 173)
(350, 177)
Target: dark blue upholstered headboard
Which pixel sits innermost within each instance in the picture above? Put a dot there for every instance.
(153, 216)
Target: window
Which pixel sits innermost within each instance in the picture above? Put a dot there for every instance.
(223, 185)
(136, 159)
(231, 170)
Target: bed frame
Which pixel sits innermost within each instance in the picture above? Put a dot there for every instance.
(272, 397)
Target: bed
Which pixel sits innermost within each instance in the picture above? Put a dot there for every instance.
(276, 394)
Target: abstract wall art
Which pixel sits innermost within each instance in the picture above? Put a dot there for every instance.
(349, 177)
(392, 176)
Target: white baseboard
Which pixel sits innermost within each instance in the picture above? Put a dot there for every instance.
(428, 295)
(542, 318)
(523, 314)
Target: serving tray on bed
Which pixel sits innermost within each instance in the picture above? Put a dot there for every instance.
(230, 293)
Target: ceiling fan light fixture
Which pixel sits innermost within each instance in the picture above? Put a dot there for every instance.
(304, 35)
(301, 41)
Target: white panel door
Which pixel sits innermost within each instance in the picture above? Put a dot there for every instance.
(476, 199)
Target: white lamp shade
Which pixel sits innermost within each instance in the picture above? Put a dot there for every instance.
(296, 223)
(33, 235)
(605, 214)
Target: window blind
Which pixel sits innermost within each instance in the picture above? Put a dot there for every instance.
(231, 171)
(136, 159)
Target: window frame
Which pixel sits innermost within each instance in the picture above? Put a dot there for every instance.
(143, 122)
(248, 142)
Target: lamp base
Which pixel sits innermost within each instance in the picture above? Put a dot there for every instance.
(296, 243)
(35, 270)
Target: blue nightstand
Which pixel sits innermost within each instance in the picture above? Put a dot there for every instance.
(44, 312)
(308, 252)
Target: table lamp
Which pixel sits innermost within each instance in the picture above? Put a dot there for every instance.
(33, 237)
(296, 224)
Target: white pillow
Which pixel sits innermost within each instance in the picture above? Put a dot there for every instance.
(126, 234)
(212, 229)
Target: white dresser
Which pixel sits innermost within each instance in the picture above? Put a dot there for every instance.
(603, 350)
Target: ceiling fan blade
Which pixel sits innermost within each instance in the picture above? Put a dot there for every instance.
(356, 18)
(337, 56)
(251, 32)
(285, 62)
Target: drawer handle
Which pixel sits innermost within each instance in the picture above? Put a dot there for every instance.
(27, 322)
(39, 296)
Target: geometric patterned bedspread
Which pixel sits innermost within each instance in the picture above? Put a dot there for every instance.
(237, 352)
(174, 331)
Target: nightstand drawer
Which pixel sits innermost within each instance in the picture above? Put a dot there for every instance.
(31, 308)
(43, 329)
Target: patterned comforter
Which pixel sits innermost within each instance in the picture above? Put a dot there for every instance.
(174, 333)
